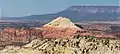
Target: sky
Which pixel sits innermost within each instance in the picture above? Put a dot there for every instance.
(17, 8)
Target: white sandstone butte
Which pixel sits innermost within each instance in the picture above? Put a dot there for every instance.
(62, 22)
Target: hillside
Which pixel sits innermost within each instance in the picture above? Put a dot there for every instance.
(78, 13)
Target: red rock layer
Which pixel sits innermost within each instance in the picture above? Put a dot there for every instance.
(57, 32)
(25, 35)
(19, 35)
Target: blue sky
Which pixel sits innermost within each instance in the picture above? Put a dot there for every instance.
(32, 7)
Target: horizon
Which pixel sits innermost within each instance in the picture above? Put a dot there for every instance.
(19, 8)
(54, 12)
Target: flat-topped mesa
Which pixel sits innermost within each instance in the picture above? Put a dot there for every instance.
(60, 27)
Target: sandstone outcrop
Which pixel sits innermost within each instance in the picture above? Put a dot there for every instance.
(74, 45)
(14, 36)
(61, 22)
(60, 27)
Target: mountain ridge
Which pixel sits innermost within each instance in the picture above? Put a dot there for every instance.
(78, 13)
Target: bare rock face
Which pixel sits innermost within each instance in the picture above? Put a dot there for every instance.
(20, 36)
(51, 32)
(15, 35)
(60, 27)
